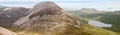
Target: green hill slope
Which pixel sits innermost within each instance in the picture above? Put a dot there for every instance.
(106, 17)
(109, 18)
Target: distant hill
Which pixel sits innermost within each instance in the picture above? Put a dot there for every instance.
(106, 17)
(111, 17)
(2, 6)
(84, 11)
(90, 10)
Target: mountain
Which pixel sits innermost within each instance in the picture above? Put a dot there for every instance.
(46, 18)
(11, 14)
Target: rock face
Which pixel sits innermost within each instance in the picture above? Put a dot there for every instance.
(10, 15)
(45, 18)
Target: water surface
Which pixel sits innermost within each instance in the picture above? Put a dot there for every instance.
(98, 23)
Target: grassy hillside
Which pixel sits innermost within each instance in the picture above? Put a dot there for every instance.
(109, 18)
(106, 17)
(90, 30)
(84, 29)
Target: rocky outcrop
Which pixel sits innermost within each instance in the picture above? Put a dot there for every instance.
(11, 14)
(46, 18)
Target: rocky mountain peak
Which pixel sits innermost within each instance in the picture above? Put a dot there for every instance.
(45, 17)
(45, 8)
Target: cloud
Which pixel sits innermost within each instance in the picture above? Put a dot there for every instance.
(96, 5)
(76, 4)
(21, 0)
(19, 5)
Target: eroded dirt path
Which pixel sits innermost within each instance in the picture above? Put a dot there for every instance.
(4, 31)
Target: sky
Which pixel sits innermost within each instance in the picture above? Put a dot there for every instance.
(106, 5)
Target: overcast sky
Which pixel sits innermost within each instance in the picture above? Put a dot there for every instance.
(67, 4)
